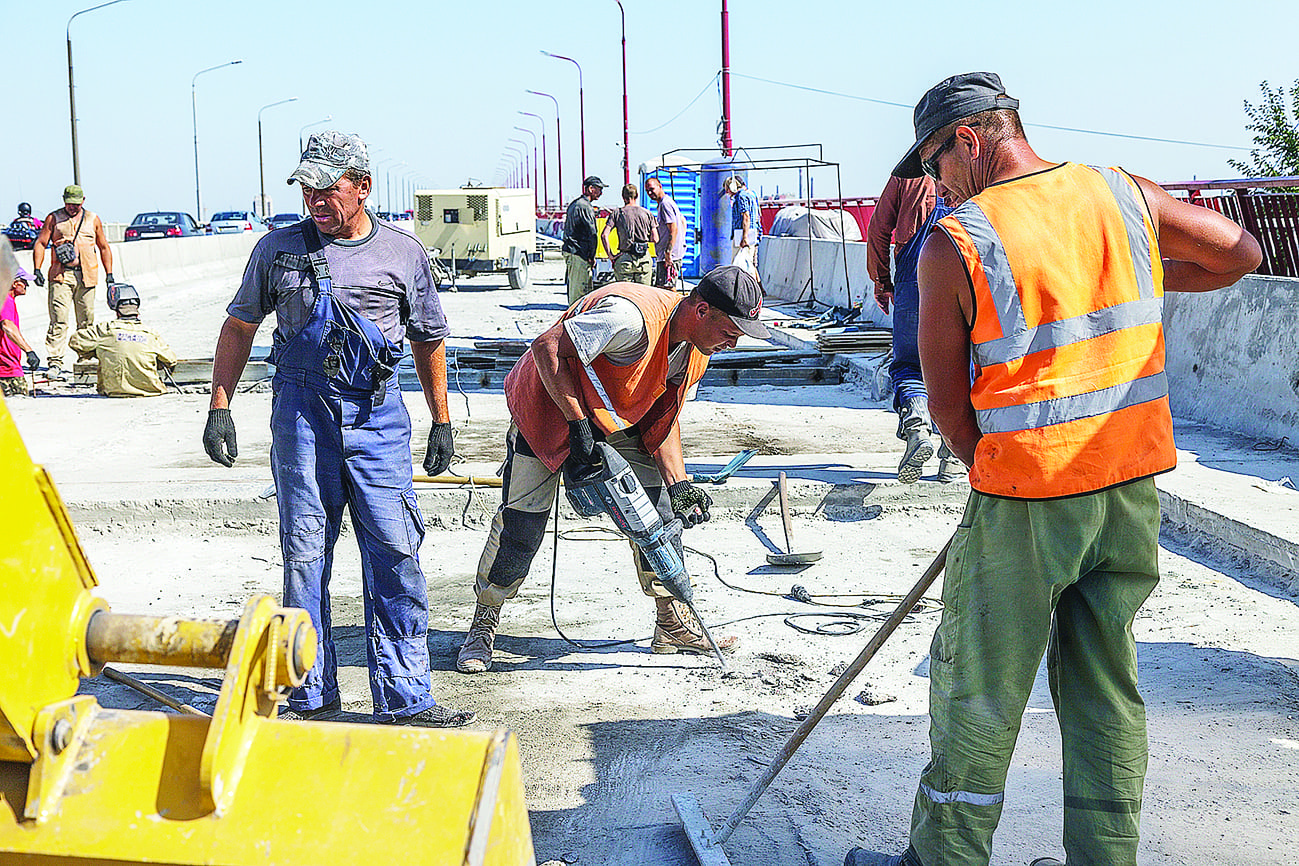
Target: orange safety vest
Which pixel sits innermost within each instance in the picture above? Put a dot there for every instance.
(1068, 342)
(637, 394)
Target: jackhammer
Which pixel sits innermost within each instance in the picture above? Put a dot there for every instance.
(611, 487)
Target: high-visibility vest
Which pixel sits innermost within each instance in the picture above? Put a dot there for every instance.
(618, 396)
(1067, 341)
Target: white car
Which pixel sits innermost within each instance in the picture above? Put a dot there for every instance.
(234, 221)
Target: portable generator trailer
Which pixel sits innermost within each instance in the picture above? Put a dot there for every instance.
(479, 230)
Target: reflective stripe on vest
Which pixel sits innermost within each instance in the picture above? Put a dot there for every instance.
(1049, 364)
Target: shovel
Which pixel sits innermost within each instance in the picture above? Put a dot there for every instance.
(707, 842)
(789, 557)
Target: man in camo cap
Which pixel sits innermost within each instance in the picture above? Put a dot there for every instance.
(347, 290)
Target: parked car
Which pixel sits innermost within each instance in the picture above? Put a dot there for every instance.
(234, 221)
(161, 224)
(283, 220)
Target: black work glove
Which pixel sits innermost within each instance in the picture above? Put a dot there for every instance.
(220, 430)
(441, 448)
(33, 360)
(689, 503)
(110, 279)
(39, 278)
(581, 443)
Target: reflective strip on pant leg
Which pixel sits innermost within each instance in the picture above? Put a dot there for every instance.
(945, 797)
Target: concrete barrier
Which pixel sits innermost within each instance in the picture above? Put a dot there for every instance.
(1233, 356)
(793, 269)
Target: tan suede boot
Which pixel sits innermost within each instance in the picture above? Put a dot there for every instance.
(677, 631)
(476, 652)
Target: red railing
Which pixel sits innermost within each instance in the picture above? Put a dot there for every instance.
(1268, 208)
(860, 208)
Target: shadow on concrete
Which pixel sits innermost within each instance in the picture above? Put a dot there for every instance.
(1210, 552)
(523, 308)
(828, 473)
(1270, 460)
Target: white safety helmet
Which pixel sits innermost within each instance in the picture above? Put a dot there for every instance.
(120, 292)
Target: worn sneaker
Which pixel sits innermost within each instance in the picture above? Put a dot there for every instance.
(1046, 861)
(677, 631)
(436, 716)
(862, 857)
(918, 451)
(476, 652)
(54, 373)
(318, 714)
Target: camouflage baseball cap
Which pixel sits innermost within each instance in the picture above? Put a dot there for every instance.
(328, 155)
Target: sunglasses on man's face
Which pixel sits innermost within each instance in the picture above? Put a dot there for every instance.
(930, 165)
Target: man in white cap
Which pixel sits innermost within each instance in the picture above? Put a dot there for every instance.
(347, 290)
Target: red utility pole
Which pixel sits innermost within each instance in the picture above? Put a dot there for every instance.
(727, 150)
(626, 136)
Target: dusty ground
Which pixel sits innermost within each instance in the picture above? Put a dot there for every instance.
(607, 734)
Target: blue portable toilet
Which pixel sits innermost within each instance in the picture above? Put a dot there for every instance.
(682, 184)
(715, 210)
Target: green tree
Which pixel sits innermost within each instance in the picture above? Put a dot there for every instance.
(1273, 121)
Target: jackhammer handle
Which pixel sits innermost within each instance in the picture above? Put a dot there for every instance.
(840, 686)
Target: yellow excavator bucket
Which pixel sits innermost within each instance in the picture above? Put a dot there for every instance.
(83, 784)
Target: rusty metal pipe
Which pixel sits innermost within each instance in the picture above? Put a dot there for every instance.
(158, 640)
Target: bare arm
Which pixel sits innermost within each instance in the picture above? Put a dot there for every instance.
(11, 331)
(674, 229)
(604, 236)
(101, 241)
(670, 458)
(554, 352)
(42, 241)
(1202, 249)
(944, 333)
(233, 346)
(431, 368)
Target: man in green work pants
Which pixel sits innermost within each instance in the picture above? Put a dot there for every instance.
(1050, 277)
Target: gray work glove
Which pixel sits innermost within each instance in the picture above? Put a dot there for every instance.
(689, 503)
(110, 279)
(220, 430)
(581, 444)
(33, 360)
(441, 448)
(39, 278)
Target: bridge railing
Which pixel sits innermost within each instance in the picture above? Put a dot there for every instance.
(1268, 208)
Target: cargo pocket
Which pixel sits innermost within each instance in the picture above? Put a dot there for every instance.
(414, 521)
(304, 540)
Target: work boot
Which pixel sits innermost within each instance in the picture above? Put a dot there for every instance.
(677, 631)
(476, 652)
(319, 713)
(949, 467)
(914, 427)
(862, 857)
(437, 716)
(54, 372)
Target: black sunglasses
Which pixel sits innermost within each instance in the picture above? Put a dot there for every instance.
(930, 166)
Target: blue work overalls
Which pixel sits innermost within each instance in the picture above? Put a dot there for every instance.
(904, 371)
(340, 436)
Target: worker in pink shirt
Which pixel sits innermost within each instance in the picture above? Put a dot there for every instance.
(13, 381)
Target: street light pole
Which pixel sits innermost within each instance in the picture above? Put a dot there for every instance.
(581, 104)
(261, 161)
(559, 150)
(545, 179)
(527, 163)
(521, 161)
(72, 99)
(302, 145)
(193, 92)
(626, 136)
(535, 188)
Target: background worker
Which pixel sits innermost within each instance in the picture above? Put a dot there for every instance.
(14, 347)
(906, 211)
(130, 353)
(636, 232)
(671, 243)
(646, 348)
(340, 433)
(76, 235)
(1051, 276)
(580, 239)
(746, 224)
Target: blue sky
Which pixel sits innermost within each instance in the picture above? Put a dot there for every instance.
(437, 86)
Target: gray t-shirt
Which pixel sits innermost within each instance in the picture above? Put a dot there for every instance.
(634, 225)
(384, 277)
(669, 213)
(615, 328)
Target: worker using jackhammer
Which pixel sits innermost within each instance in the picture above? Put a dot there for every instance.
(1051, 277)
(615, 368)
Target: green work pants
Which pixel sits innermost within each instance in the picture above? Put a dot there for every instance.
(630, 269)
(577, 275)
(1065, 576)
